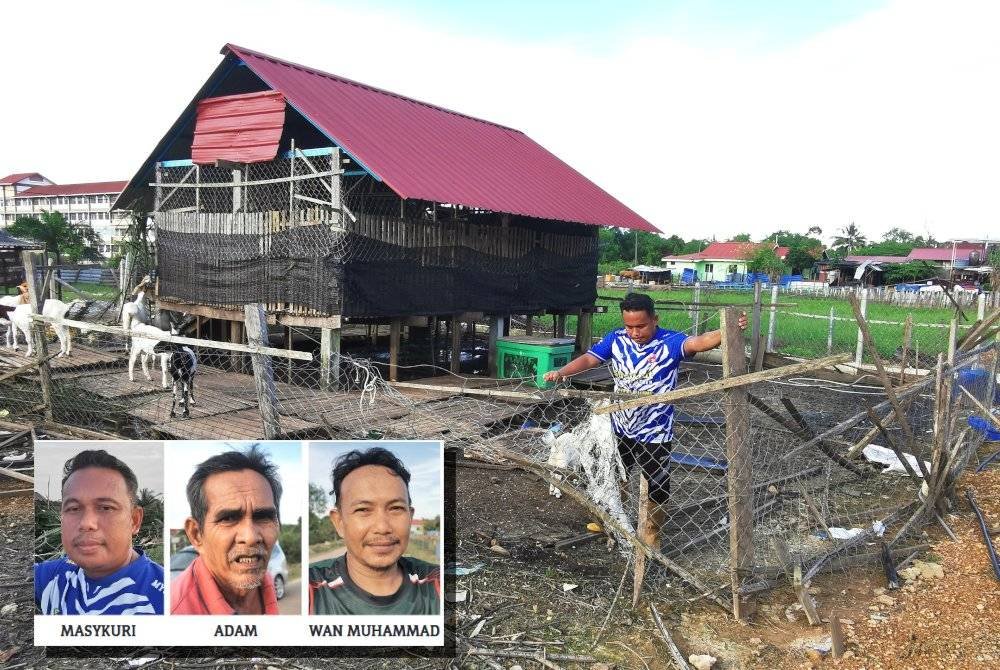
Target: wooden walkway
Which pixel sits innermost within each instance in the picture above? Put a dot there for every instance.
(226, 403)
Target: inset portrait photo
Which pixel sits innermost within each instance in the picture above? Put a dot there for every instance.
(375, 535)
(234, 513)
(99, 527)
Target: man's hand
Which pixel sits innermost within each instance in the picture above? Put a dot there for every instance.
(553, 376)
(742, 322)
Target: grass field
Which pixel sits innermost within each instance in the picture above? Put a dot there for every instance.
(802, 326)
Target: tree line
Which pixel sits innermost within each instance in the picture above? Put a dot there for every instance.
(620, 249)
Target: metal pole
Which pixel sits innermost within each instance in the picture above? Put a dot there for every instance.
(772, 324)
(860, 349)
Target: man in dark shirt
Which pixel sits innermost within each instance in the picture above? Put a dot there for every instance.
(372, 513)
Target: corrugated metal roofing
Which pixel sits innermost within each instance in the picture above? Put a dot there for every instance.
(18, 176)
(8, 241)
(245, 128)
(943, 253)
(92, 188)
(431, 153)
(729, 251)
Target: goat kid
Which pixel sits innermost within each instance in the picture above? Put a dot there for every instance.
(146, 348)
(182, 365)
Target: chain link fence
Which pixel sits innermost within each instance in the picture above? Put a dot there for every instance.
(792, 465)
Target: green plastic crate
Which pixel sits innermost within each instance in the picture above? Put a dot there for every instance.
(532, 356)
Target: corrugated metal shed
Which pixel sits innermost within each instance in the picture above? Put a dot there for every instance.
(422, 151)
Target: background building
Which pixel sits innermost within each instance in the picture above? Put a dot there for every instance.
(30, 194)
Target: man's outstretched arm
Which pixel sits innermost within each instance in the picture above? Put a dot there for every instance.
(575, 366)
(710, 340)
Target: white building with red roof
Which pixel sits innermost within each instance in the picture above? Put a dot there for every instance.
(719, 261)
(89, 204)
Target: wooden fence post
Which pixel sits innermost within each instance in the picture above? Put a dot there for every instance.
(255, 321)
(37, 298)
(740, 464)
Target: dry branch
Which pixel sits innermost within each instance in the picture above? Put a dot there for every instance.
(726, 384)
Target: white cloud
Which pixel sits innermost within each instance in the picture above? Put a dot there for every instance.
(889, 120)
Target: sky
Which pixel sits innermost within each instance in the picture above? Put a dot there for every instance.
(144, 458)
(424, 460)
(183, 456)
(707, 117)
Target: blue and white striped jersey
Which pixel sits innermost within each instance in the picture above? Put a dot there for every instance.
(61, 587)
(646, 368)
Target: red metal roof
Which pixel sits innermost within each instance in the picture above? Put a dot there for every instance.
(244, 128)
(729, 251)
(431, 153)
(943, 254)
(92, 188)
(18, 176)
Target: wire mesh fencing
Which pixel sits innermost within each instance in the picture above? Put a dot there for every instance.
(794, 466)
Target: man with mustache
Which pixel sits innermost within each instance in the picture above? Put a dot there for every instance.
(234, 499)
(102, 572)
(372, 513)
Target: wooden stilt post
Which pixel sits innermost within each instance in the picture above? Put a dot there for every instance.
(496, 332)
(329, 358)
(236, 337)
(738, 456)
(584, 335)
(36, 297)
(560, 325)
(288, 365)
(263, 372)
(456, 345)
(395, 330)
(529, 325)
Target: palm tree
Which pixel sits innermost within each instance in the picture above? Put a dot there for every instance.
(851, 238)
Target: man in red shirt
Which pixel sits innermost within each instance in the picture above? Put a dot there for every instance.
(234, 524)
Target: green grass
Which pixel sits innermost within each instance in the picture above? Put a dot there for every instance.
(795, 335)
(94, 291)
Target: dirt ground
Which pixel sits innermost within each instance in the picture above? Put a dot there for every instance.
(532, 605)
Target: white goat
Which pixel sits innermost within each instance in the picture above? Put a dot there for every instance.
(135, 311)
(7, 305)
(144, 346)
(20, 319)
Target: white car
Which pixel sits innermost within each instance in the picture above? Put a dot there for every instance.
(277, 566)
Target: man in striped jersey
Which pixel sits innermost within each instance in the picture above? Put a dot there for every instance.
(372, 513)
(644, 358)
(102, 573)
